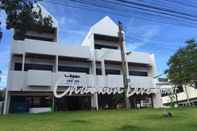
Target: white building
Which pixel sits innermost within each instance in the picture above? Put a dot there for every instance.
(38, 62)
(182, 94)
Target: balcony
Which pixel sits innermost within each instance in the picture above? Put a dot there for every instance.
(49, 48)
(114, 55)
(45, 80)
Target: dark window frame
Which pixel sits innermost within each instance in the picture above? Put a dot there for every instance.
(18, 66)
(112, 72)
(138, 73)
(43, 67)
(73, 69)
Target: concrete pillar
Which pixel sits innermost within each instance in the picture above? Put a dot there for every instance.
(157, 99)
(94, 101)
(103, 67)
(56, 63)
(53, 102)
(23, 61)
(6, 103)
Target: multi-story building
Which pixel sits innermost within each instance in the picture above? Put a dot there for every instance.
(168, 97)
(39, 61)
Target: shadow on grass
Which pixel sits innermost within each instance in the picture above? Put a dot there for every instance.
(131, 128)
(193, 125)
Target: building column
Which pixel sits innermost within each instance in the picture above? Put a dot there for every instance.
(157, 99)
(23, 61)
(94, 101)
(56, 63)
(103, 67)
(94, 97)
(6, 103)
(53, 102)
(56, 70)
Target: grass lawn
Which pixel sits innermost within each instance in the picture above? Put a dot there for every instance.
(184, 119)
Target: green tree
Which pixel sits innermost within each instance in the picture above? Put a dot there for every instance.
(22, 16)
(183, 66)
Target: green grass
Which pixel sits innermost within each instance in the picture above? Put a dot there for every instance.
(184, 119)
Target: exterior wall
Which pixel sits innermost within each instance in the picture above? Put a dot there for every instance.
(44, 81)
(114, 55)
(157, 99)
(48, 48)
(35, 80)
(182, 97)
(102, 25)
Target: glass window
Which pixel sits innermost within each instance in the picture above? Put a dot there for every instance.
(17, 66)
(195, 85)
(98, 72)
(138, 73)
(73, 69)
(179, 89)
(112, 72)
(97, 46)
(38, 67)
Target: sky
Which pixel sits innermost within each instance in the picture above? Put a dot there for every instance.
(144, 32)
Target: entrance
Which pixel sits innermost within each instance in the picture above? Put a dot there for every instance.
(111, 101)
(141, 101)
(69, 103)
(21, 104)
(118, 101)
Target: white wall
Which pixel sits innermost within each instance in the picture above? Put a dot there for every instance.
(49, 48)
(34, 80)
(192, 93)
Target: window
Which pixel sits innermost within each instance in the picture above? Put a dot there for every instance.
(39, 38)
(97, 46)
(138, 73)
(38, 67)
(17, 66)
(112, 72)
(163, 95)
(35, 101)
(179, 89)
(98, 72)
(195, 85)
(73, 69)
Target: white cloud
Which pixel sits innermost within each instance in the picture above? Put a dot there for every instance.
(146, 37)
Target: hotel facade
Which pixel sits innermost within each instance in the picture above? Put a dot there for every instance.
(39, 63)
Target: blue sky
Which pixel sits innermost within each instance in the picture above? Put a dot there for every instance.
(145, 33)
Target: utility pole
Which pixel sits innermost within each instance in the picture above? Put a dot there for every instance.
(1, 33)
(124, 64)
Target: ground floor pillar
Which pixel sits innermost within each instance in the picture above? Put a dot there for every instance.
(94, 101)
(157, 99)
(6, 103)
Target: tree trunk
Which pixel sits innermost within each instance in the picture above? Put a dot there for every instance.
(176, 97)
(127, 102)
